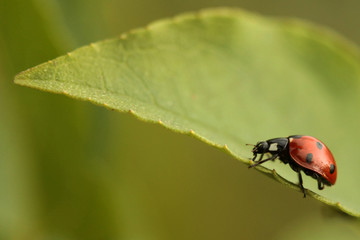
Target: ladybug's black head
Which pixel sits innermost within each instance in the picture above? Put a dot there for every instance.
(261, 147)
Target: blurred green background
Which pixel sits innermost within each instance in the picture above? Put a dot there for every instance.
(72, 170)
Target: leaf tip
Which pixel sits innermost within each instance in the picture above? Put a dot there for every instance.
(21, 77)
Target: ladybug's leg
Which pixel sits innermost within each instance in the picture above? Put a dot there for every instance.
(301, 183)
(262, 161)
(320, 183)
(261, 157)
(255, 155)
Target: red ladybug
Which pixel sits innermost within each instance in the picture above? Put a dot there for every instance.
(302, 153)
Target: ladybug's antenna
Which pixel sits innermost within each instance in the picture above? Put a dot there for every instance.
(248, 144)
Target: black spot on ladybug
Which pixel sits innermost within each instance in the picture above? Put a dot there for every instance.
(296, 136)
(319, 145)
(309, 157)
(332, 168)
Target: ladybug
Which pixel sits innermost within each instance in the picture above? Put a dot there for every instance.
(302, 153)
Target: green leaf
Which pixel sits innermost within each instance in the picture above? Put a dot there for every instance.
(228, 77)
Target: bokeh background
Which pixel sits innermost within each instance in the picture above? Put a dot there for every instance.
(73, 170)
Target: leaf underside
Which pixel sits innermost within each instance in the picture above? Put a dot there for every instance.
(227, 77)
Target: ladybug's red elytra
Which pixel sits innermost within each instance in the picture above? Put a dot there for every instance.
(302, 153)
